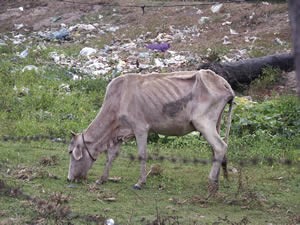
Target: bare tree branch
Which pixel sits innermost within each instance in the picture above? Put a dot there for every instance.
(244, 71)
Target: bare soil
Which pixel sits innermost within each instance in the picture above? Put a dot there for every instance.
(39, 14)
(265, 22)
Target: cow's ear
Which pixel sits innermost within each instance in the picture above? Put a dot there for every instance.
(77, 153)
(73, 133)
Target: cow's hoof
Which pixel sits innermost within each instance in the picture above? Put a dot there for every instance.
(137, 187)
(213, 188)
(100, 182)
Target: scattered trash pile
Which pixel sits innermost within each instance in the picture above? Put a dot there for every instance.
(149, 52)
(143, 54)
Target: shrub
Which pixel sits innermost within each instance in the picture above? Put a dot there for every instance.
(276, 117)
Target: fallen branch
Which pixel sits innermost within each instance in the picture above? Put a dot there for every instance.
(244, 71)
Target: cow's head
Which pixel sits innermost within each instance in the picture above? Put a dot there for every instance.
(80, 158)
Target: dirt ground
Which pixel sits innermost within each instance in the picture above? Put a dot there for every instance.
(39, 14)
(267, 23)
(36, 14)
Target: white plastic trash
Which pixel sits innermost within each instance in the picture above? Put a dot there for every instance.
(87, 51)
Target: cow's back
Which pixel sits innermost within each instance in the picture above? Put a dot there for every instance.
(165, 101)
(156, 90)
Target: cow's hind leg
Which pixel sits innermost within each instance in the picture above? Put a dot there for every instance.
(141, 140)
(209, 131)
(224, 162)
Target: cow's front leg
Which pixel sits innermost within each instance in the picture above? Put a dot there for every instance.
(111, 154)
(141, 140)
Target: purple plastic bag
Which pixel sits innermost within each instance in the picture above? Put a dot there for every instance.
(159, 46)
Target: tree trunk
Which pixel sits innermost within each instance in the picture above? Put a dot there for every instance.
(294, 14)
(244, 71)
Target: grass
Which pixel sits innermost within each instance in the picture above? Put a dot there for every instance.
(254, 195)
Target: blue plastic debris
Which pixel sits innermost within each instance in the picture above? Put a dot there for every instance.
(62, 34)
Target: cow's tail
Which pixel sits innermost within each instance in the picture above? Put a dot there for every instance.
(229, 118)
(228, 125)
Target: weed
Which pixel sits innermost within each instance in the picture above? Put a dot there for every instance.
(215, 54)
(268, 78)
(272, 118)
(226, 220)
(49, 161)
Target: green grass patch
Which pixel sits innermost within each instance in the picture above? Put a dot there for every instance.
(34, 188)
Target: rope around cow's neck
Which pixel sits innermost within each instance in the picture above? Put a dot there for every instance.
(87, 148)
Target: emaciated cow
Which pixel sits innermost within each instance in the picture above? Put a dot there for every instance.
(169, 103)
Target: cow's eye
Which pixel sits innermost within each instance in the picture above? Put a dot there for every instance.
(70, 152)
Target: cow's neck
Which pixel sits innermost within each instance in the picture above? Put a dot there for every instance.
(101, 133)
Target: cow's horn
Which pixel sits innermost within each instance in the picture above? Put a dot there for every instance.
(73, 133)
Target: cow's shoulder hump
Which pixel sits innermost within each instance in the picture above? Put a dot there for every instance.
(115, 87)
